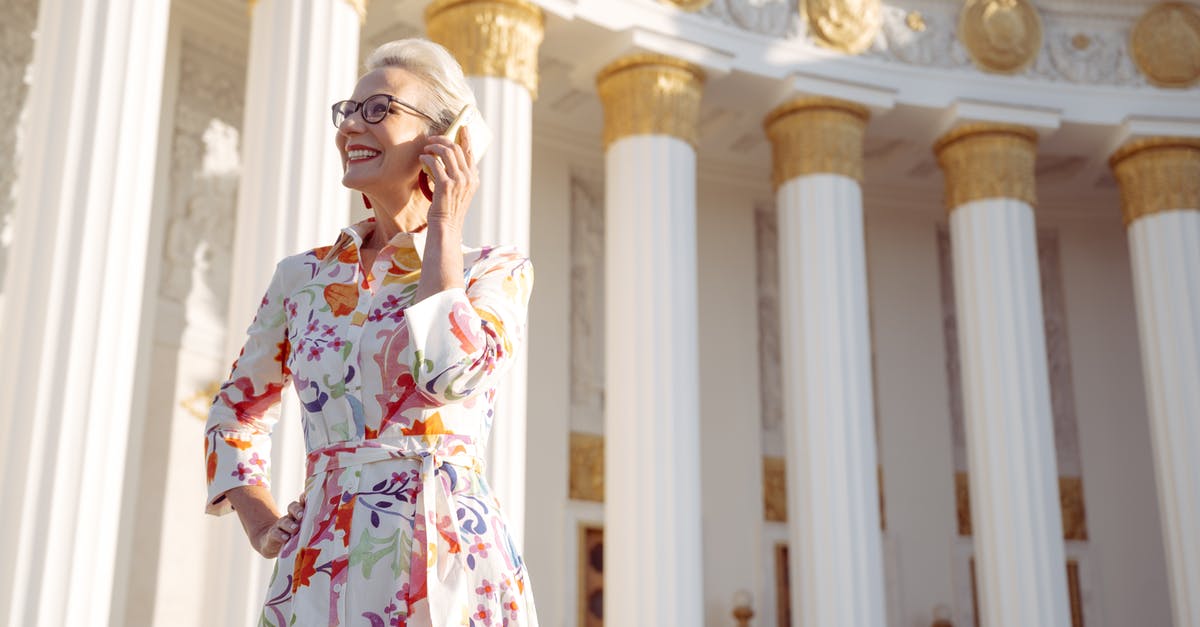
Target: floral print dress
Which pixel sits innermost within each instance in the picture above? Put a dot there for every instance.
(400, 527)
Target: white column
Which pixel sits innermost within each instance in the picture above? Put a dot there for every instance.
(652, 514)
(833, 493)
(74, 295)
(303, 58)
(1160, 185)
(1020, 565)
(496, 41)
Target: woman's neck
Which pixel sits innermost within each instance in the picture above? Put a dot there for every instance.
(392, 218)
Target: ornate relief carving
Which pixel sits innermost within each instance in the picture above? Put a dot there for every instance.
(929, 41)
(490, 37)
(650, 94)
(204, 179)
(1002, 35)
(816, 135)
(586, 478)
(1166, 44)
(845, 25)
(774, 18)
(16, 52)
(770, 377)
(1157, 174)
(587, 303)
(987, 161)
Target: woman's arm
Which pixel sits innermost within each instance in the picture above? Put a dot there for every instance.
(266, 529)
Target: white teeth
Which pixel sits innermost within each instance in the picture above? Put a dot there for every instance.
(361, 154)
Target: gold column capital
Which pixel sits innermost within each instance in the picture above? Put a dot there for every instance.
(650, 94)
(490, 37)
(816, 135)
(1157, 174)
(987, 160)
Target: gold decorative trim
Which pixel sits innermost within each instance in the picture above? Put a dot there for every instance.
(198, 403)
(1165, 45)
(1002, 36)
(490, 37)
(650, 94)
(1157, 174)
(986, 160)
(962, 502)
(775, 489)
(816, 135)
(689, 5)
(586, 478)
(1070, 500)
(847, 26)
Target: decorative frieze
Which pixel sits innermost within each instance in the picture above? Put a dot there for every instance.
(650, 94)
(490, 37)
(1158, 174)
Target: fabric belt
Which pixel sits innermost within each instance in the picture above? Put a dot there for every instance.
(435, 505)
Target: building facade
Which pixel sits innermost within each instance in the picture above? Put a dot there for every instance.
(846, 312)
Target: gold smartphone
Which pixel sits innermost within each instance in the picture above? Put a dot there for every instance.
(481, 138)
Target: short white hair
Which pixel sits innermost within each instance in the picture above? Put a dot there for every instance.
(447, 91)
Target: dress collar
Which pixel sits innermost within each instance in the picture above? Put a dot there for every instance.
(358, 232)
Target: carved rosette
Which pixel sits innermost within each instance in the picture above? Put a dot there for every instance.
(490, 37)
(987, 160)
(1157, 174)
(845, 25)
(1165, 45)
(1001, 36)
(816, 135)
(650, 94)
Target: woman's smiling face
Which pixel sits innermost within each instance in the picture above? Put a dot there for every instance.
(381, 159)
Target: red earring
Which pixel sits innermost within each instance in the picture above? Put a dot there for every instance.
(366, 201)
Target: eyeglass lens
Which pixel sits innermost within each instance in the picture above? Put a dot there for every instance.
(374, 109)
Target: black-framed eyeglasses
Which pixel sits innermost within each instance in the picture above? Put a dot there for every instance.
(374, 109)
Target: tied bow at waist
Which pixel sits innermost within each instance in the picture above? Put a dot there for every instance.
(436, 503)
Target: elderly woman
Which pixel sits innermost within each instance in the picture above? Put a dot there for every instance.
(395, 338)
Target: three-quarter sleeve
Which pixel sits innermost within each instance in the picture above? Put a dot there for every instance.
(462, 340)
(237, 447)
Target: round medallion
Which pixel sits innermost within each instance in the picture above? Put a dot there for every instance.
(845, 25)
(689, 5)
(1165, 44)
(1001, 36)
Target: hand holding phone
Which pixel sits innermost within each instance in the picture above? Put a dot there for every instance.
(480, 135)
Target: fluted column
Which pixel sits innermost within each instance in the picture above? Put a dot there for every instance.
(303, 57)
(1020, 567)
(74, 298)
(496, 41)
(1160, 192)
(826, 364)
(652, 544)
